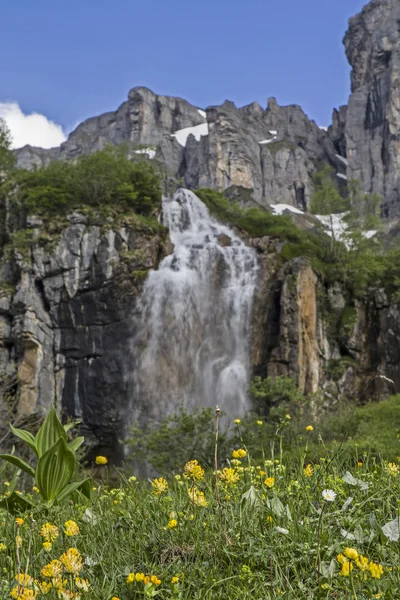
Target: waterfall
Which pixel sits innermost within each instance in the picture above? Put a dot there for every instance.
(192, 348)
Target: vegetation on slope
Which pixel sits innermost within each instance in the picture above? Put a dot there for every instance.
(260, 526)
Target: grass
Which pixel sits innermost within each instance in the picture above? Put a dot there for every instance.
(262, 529)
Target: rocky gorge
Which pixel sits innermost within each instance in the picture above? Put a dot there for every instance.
(73, 316)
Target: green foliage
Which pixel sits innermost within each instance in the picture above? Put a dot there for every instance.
(256, 222)
(167, 446)
(327, 199)
(280, 392)
(7, 159)
(56, 461)
(106, 178)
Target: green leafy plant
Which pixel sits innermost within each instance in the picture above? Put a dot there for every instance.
(55, 465)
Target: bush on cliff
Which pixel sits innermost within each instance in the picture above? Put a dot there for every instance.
(105, 178)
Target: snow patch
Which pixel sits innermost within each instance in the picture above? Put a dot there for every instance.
(323, 127)
(279, 209)
(268, 141)
(273, 132)
(198, 131)
(340, 227)
(149, 151)
(202, 113)
(342, 158)
(341, 176)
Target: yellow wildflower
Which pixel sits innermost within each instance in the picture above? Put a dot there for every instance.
(19, 522)
(101, 460)
(47, 546)
(269, 519)
(375, 570)
(44, 586)
(259, 423)
(229, 476)
(240, 453)
(341, 559)
(24, 580)
(3, 547)
(49, 532)
(82, 584)
(308, 471)
(359, 463)
(160, 486)
(393, 469)
(362, 562)
(139, 577)
(288, 417)
(347, 567)
(269, 482)
(72, 561)
(193, 470)
(172, 523)
(154, 579)
(23, 593)
(130, 578)
(309, 428)
(197, 497)
(146, 580)
(175, 580)
(351, 553)
(36, 489)
(53, 569)
(71, 528)
(237, 421)
(115, 598)
(262, 473)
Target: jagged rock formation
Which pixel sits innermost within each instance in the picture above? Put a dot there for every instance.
(265, 155)
(324, 338)
(372, 119)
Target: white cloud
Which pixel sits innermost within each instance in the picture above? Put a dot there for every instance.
(33, 129)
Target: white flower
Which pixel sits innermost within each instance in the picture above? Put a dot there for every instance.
(282, 530)
(329, 495)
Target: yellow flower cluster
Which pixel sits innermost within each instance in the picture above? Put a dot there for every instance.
(28, 588)
(351, 558)
(229, 476)
(71, 528)
(49, 534)
(308, 471)
(392, 468)
(101, 460)
(172, 524)
(309, 428)
(197, 497)
(19, 522)
(160, 486)
(193, 470)
(141, 577)
(240, 453)
(72, 561)
(269, 482)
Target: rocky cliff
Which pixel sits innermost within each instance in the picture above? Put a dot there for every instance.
(371, 124)
(267, 155)
(68, 319)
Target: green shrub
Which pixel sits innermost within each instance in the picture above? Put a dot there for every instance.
(105, 178)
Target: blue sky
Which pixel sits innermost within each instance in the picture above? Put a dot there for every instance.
(73, 59)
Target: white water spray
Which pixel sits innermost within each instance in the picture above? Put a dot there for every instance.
(192, 349)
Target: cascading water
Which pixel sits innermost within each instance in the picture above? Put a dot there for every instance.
(193, 342)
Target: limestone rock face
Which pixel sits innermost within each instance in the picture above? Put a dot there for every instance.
(68, 323)
(372, 128)
(269, 154)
